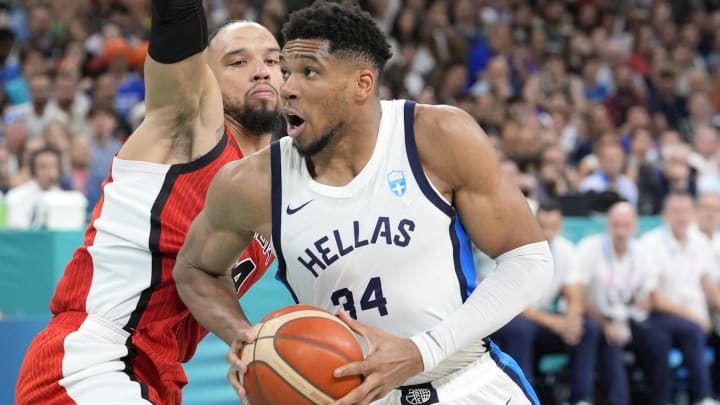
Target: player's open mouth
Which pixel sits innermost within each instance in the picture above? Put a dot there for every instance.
(295, 124)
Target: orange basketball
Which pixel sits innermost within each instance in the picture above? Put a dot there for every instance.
(294, 356)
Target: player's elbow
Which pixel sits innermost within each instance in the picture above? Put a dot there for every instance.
(182, 273)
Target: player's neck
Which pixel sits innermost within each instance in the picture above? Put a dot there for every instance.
(249, 143)
(350, 150)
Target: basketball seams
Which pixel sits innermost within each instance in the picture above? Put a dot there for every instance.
(276, 323)
(280, 376)
(291, 376)
(266, 355)
(314, 343)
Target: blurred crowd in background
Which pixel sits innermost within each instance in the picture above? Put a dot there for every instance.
(586, 100)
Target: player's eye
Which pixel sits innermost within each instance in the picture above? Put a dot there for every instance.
(285, 73)
(310, 72)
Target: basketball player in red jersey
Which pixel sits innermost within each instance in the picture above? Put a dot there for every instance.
(120, 331)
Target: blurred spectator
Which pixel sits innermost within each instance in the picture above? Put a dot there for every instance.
(445, 43)
(71, 101)
(495, 81)
(619, 281)
(4, 170)
(11, 79)
(643, 171)
(130, 87)
(56, 134)
(104, 90)
(24, 174)
(15, 135)
(80, 158)
(24, 209)
(700, 113)
(554, 79)
(40, 111)
(676, 175)
(103, 145)
(627, 94)
(704, 158)
(593, 90)
(684, 268)
(552, 178)
(609, 176)
(663, 97)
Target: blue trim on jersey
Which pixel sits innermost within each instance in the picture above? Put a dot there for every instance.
(508, 365)
(467, 261)
(276, 198)
(458, 244)
(415, 164)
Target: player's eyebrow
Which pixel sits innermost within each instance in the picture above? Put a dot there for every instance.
(240, 51)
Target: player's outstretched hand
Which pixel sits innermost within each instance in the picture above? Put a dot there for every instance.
(391, 360)
(237, 367)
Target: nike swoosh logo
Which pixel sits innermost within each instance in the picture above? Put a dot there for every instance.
(433, 338)
(506, 403)
(291, 211)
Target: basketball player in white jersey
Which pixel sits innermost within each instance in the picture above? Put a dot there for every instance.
(363, 202)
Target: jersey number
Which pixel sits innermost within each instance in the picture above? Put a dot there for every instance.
(371, 298)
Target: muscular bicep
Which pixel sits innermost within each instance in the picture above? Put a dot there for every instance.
(222, 230)
(211, 248)
(492, 208)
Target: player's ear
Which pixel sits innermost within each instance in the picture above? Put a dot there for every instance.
(364, 84)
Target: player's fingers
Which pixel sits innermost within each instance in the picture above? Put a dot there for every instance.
(373, 395)
(353, 324)
(234, 378)
(354, 368)
(233, 358)
(356, 395)
(363, 330)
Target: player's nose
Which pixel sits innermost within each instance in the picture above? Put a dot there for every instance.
(262, 72)
(288, 89)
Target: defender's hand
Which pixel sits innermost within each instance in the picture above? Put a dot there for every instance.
(237, 367)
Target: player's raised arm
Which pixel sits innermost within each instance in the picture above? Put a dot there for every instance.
(182, 97)
(216, 238)
(498, 220)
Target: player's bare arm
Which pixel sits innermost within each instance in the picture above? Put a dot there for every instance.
(184, 113)
(217, 237)
(466, 171)
(461, 164)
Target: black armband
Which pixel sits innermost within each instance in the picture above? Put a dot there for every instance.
(178, 31)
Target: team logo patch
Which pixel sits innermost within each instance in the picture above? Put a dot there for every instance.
(396, 182)
(421, 394)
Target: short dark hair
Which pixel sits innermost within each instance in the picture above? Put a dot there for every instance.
(347, 28)
(222, 26)
(45, 149)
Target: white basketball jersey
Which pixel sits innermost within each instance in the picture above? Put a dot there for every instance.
(387, 246)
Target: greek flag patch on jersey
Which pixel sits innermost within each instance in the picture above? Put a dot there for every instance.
(396, 181)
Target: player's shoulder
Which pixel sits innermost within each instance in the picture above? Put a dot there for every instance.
(444, 118)
(237, 176)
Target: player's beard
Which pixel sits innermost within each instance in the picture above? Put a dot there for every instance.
(318, 145)
(257, 121)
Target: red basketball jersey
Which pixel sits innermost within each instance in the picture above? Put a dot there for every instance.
(123, 272)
